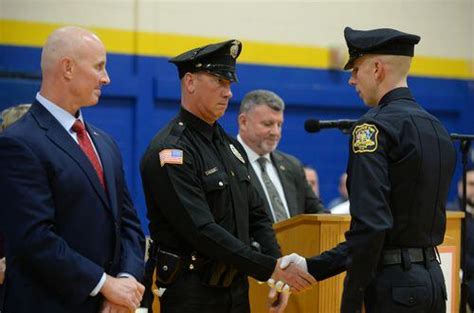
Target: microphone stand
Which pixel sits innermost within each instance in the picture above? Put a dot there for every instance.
(465, 144)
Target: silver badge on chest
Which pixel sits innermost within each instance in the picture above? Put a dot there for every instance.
(237, 153)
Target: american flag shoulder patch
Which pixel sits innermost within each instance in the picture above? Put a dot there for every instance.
(171, 156)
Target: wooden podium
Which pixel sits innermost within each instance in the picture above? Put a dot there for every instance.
(310, 235)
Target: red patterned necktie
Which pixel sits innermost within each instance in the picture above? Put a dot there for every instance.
(86, 146)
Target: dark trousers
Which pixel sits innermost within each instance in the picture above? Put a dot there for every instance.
(420, 289)
(188, 295)
(147, 300)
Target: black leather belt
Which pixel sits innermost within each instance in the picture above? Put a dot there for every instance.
(394, 256)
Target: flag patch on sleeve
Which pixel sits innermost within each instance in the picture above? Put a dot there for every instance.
(171, 156)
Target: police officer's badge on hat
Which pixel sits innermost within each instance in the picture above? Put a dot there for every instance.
(378, 41)
(217, 59)
(365, 138)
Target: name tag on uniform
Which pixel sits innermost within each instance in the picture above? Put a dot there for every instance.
(211, 171)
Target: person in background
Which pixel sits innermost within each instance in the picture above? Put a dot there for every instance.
(279, 177)
(456, 205)
(9, 116)
(401, 162)
(312, 179)
(12, 114)
(202, 208)
(342, 189)
(74, 243)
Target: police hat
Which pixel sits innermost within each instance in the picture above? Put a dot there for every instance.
(378, 41)
(217, 59)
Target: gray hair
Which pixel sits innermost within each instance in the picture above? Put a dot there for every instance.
(261, 97)
(12, 114)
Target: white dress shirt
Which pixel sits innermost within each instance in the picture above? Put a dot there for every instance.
(272, 173)
(65, 119)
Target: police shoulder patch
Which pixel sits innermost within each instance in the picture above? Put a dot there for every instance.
(364, 138)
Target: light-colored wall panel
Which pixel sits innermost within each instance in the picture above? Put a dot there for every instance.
(117, 14)
(446, 26)
(441, 24)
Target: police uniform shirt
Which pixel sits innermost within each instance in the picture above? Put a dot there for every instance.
(199, 197)
(272, 173)
(399, 171)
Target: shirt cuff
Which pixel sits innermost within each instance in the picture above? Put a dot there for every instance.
(125, 275)
(99, 286)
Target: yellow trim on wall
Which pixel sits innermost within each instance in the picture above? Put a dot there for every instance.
(34, 34)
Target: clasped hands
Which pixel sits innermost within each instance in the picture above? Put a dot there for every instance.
(290, 275)
(122, 295)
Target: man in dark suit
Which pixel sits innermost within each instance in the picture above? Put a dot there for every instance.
(73, 239)
(279, 177)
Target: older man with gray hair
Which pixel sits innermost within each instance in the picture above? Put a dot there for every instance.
(279, 177)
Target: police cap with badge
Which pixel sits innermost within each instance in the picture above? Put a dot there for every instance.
(378, 41)
(217, 59)
(386, 41)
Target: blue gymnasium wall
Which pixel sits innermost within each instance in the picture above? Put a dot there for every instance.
(144, 95)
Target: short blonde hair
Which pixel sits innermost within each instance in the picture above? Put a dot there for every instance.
(13, 114)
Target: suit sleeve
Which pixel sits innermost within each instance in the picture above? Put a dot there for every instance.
(178, 189)
(132, 240)
(27, 217)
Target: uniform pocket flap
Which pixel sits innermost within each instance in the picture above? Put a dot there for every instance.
(409, 295)
(217, 181)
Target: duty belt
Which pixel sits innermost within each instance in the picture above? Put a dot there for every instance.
(415, 255)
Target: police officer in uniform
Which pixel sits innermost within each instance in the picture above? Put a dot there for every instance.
(203, 211)
(399, 171)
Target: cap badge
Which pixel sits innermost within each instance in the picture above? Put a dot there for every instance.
(234, 49)
(236, 153)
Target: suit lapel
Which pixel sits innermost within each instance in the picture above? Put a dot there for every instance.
(261, 192)
(286, 181)
(59, 136)
(105, 156)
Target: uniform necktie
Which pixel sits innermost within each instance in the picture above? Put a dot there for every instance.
(86, 146)
(275, 199)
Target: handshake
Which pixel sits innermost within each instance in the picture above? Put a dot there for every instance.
(290, 275)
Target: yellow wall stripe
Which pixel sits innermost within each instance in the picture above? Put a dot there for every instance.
(33, 34)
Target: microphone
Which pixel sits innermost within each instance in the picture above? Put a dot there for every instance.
(314, 126)
(455, 136)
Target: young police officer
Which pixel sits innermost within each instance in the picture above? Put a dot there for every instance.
(400, 168)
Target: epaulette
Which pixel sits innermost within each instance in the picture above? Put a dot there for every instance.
(176, 131)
